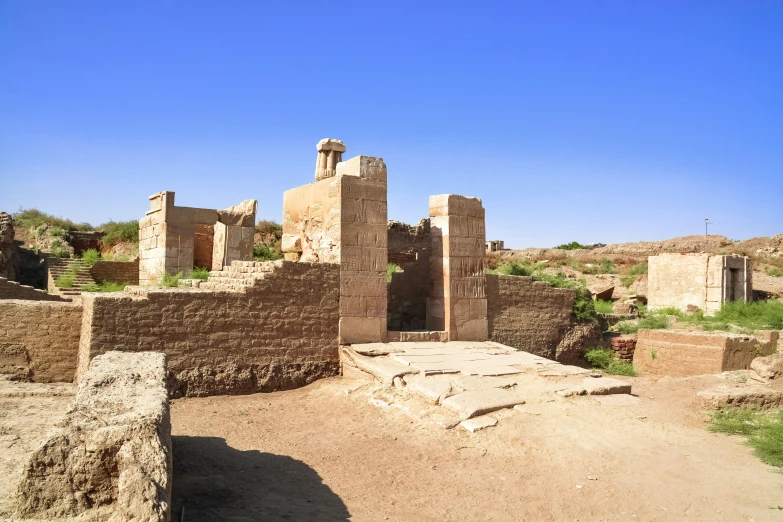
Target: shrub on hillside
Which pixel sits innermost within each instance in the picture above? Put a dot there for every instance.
(573, 245)
(120, 232)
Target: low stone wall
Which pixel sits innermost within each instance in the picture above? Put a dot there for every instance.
(682, 353)
(14, 290)
(111, 454)
(624, 347)
(121, 272)
(39, 340)
(531, 316)
(279, 333)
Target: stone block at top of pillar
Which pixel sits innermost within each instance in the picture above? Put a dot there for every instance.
(455, 205)
(366, 167)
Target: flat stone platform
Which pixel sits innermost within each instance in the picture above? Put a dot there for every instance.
(472, 379)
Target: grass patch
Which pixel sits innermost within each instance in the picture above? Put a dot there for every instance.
(764, 431)
(106, 286)
(120, 232)
(606, 360)
(32, 218)
(573, 245)
(632, 273)
(171, 280)
(774, 271)
(266, 253)
(199, 273)
(90, 257)
(602, 266)
(66, 280)
(603, 307)
(390, 269)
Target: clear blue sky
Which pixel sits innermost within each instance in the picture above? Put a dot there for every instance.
(585, 120)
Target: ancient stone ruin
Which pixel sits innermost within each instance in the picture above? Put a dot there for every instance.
(176, 239)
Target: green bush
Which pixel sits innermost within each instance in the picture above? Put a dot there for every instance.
(199, 273)
(583, 309)
(390, 269)
(774, 271)
(516, 268)
(606, 360)
(66, 280)
(171, 280)
(764, 431)
(603, 307)
(573, 245)
(120, 232)
(105, 286)
(265, 253)
(632, 273)
(758, 315)
(32, 218)
(90, 257)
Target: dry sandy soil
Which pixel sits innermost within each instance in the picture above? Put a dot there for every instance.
(326, 452)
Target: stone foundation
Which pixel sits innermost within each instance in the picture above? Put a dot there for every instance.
(262, 327)
(111, 454)
(682, 353)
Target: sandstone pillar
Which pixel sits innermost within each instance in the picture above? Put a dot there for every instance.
(458, 298)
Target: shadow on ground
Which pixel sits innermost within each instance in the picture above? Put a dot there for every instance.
(217, 482)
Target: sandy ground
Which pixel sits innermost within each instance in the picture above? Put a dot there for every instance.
(325, 452)
(27, 412)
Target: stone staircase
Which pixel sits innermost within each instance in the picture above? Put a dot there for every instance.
(240, 275)
(58, 266)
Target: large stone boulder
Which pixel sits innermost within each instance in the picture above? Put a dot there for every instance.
(111, 454)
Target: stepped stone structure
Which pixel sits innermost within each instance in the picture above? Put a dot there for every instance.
(176, 239)
(703, 281)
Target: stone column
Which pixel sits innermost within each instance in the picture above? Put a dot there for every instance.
(330, 153)
(458, 297)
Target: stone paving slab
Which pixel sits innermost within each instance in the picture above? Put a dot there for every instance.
(472, 403)
(383, 369)
(478, 423)
(432, 388)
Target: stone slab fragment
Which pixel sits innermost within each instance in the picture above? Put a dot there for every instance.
(478, 423)
(749, 395)
(470, 404)
(433, 388)
(382, 368)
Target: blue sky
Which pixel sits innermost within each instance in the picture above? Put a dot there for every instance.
(588, 121)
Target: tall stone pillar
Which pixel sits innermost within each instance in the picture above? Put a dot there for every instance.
(458, 297)
(330, 153)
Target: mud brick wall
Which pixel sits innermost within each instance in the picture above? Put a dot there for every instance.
(624, 347)
(41, 337)
(682, 353)
(14, 290)
(279, 334)
(407, 243)
(528, 315)
(122, 272)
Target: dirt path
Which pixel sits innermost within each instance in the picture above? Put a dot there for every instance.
(322, 453)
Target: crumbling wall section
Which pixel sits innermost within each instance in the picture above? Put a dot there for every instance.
(14, 290)
(528, 315)
(682, 353)
(410, 247)
(110, 456)
(40, 338)
(8, 256)
(278, 334)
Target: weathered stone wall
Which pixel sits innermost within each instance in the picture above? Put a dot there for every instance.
(342, 219)
(528, 315)
(122, 272)
(458, 299)
(277, 334)
(14, 290)
(410, 247)
(40, 337)
(682, 353)
(110, 457)
(703, 281)
(8, 255)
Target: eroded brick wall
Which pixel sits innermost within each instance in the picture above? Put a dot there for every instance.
(14, 290)
(531, 316)
(122, 272)
(279, 334)
(42, 337)
(682, 353)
